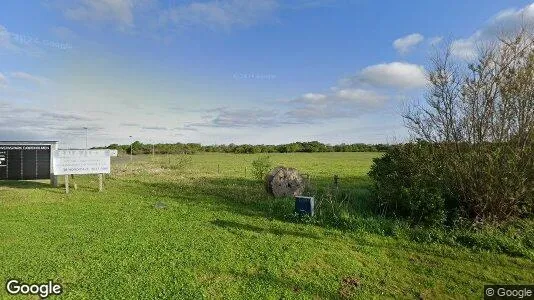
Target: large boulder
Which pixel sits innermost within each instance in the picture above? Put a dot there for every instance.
(285, 182)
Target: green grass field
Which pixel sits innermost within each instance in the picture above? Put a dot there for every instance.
(201, 228)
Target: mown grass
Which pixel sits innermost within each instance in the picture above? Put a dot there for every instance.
(199, 227)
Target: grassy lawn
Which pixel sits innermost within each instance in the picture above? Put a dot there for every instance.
(200, 227)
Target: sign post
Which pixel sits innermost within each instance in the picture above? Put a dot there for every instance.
(100, 182)
(66, 184)
(70, 162)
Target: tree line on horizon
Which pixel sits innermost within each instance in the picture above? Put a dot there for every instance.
(191, 148)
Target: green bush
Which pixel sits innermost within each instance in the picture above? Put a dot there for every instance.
(261, 166)
(439, 183)
(408, 185)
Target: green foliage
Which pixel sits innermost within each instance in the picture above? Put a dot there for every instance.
(308, 147)
(261, 166)
(478, 160)
(436, 184)
(408, 185)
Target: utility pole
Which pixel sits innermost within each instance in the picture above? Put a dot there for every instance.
(131, 148)
(86, 128)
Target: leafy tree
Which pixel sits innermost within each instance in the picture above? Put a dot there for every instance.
(477, 125)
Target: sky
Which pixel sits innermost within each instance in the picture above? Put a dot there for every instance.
(228, 71)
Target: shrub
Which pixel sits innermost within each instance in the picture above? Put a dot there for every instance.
(408, 184)
(176, 162)
(431, 183)
(261, 166)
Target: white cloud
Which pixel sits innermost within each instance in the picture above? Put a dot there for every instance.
(313, 98)
(217, 14)
(465, 48)
(180, 14)
(506, 21)
(159, 128)
(367, 92)
(29, 77)
(395, 75)
(345, 96)
(311, 113)
(5, 39)
(405, 44)
(433, 41)
(3, 80)
(118, 12)
(63, 33)
(4, 36)
(340, 103)
(361, 96)
(17, 43)
(310, 108)
(37, 120)
(237, 118)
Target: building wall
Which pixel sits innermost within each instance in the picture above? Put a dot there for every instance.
(26, 160)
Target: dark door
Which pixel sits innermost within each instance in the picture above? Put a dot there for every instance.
(29, 164)
(14, 164)
(43, 163)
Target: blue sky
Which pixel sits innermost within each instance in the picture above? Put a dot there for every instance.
(227, 71)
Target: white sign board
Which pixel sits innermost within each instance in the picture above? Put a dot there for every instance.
(113, 152)
(67, 162)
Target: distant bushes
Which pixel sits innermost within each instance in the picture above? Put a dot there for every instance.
(190, 148)
(140, 148)
(308, 147)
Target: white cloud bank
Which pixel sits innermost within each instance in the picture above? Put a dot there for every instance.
(120, 13)
(369, 91)
(219, 13)
(407, 43)
(178, 14)
(212, 14)
(29, 77)
(505, 21)
(361, 96)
